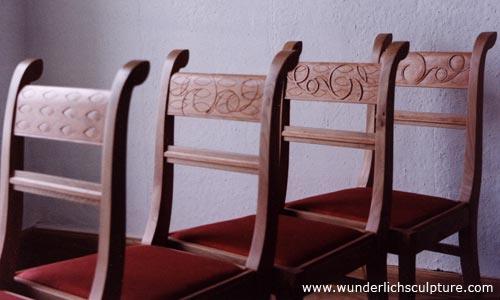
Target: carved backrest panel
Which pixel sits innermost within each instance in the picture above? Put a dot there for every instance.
(434, 69)
(234, 97)
(340, 82)
(59, 113)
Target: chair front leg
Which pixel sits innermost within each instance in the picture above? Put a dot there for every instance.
(407, 270)
(376, 273)
(468, 254)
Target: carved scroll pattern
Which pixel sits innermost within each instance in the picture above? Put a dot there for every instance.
(236, 97)
(434, 69)
(344, 82)
(58, 113)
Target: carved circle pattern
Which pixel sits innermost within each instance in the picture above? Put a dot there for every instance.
(334, 81)
(61, 113)
(438, 69)
(230, 96)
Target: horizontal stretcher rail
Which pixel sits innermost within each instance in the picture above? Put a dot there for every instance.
(341, 138)
(430, 119)
(57, 187)
(213, 159)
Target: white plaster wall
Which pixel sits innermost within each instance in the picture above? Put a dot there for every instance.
(12, 48)
(85, 42)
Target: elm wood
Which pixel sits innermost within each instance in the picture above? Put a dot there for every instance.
(445, 248)
(332, 264)
(353, 224)
(461, 218)
(381, 197)
(213, 159)
(219, 92)
(382, 41)
(56, 187)
(207, 251)
(463, 223)
(107, 281)
(158, 225)
(435, 69)
(430, 119)
(60, 113)
(12, 158)
(332, 137)
(284, 148)
(233, 97)
(111, 245)
(339, 82)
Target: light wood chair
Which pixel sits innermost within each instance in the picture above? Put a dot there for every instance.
(310, 251)
(419, 222)
(246, 98)
(76, 115)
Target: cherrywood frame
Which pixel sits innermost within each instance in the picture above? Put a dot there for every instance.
(340, 261)
(95, 117)
(257, 98)
(462, 218)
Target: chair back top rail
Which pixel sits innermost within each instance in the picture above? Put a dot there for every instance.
(435, 70)
(61, 113)
(332, 81)
(222, 96)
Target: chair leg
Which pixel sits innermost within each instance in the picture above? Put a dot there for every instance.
(468, 255)
(407, 270)
(376, 273)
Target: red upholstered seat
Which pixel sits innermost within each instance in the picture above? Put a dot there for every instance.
(298, 240)
(408, 209)
(9, 296)
(150, 273)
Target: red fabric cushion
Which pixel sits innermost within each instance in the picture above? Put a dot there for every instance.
(9, 296)
(408, 209)
(299, 240)
(150, 273)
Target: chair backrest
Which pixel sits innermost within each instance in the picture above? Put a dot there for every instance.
(371, 84)
(76, 115)
(450, 70)
(249, 98)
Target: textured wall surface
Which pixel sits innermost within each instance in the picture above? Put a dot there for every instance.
(85, 42)
(12, 49)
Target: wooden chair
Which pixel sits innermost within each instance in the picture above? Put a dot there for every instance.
(246, 98)
(310, 251)
(419, 222)
(77, 115)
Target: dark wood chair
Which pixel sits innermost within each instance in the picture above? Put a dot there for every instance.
(419, 222)
(309, 251)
